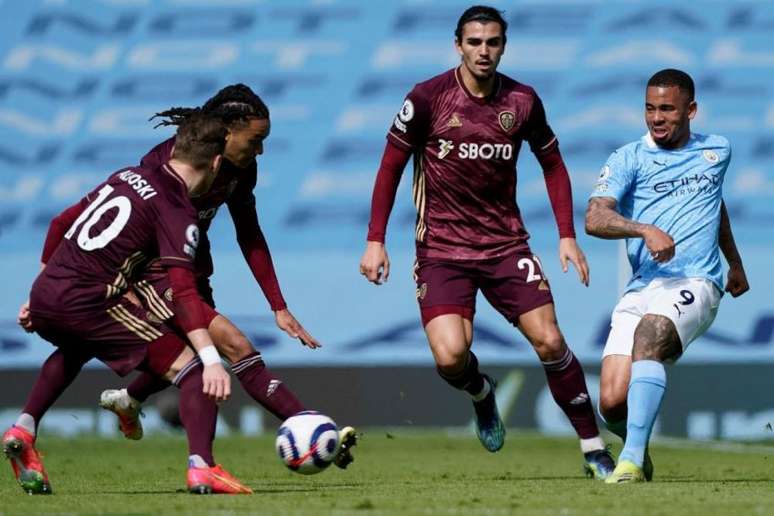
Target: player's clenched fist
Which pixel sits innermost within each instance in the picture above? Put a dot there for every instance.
(660, 244)
(216, 383)
(375, 264)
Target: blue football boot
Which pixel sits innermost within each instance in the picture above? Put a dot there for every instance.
(599, 465)
(489, 427)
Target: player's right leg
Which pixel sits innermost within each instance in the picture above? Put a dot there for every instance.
(56, 374)
(450, 338)
(446, 294)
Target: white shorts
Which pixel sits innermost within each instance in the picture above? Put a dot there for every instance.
(690, 303)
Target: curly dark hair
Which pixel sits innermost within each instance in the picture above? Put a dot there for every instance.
(235, 103)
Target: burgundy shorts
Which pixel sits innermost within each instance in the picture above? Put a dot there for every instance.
(155, 293)
(120, 334)
(513, 285)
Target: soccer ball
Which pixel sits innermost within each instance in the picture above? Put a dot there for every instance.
(307, 442)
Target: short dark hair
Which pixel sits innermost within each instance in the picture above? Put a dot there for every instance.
(672, 77)
(233, 104)
(200, 137)
(483, 14)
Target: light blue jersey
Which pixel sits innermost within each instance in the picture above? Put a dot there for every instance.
(680, 192)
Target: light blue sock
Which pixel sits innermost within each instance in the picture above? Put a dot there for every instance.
(646, 390)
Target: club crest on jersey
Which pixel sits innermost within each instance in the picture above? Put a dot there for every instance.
(454, 121)
(422, 291)
(445, 147)
(507, 120)
(169, 295)
(711, 156)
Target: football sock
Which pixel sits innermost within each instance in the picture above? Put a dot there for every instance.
(26, 422)
(568, 386)
(195, 461)
(265, 388)
(58, 372)
(144, 385)
(593, 444)
(468, 379)
(198, 412)
(646, 390)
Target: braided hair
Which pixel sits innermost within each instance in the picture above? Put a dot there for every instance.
(235, 103)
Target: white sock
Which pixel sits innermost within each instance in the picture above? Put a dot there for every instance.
(593, 444)
(484, 392)
(196, 461)
(26, 422)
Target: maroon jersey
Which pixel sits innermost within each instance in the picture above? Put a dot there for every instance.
(465, 150)
(134, 216)
(233, 185)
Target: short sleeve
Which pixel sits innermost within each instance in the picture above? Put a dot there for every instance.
(410, 127)
(537, 132)
(616, 177)
(177, 233)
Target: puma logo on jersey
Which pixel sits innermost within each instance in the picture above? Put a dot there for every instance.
(446, 147)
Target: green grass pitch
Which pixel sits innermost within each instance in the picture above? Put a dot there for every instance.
(396, 472)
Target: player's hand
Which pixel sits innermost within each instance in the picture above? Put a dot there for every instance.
(287, 323)
(570, 251)
(23, 319)
(375, 264)
(216, 383)
(736, 283)
(660, 244)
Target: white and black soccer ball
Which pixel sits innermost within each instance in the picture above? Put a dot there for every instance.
(307, 442)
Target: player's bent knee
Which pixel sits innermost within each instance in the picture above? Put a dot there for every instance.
(450, 361)
(549, 344)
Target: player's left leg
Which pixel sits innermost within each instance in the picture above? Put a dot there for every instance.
(517, 288)
(567, 384)
(679, 311)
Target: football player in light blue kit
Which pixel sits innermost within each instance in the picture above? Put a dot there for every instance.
(663, 193)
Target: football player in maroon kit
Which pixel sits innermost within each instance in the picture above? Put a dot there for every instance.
(247, 119)
(464, 129)
(77, 303)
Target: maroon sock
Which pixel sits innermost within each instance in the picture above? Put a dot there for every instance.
(469, 379)
(58, 372)
(265, 388)
(144, 385)
(568, 386)
(198, 413)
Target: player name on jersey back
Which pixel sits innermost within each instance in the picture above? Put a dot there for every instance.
(138, 183)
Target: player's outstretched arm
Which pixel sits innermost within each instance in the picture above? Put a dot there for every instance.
(287, 323)
(375, 264)
(604, 221)
(736, 283)
(570, 251)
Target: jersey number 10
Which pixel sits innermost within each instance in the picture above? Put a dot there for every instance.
(93, 213)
